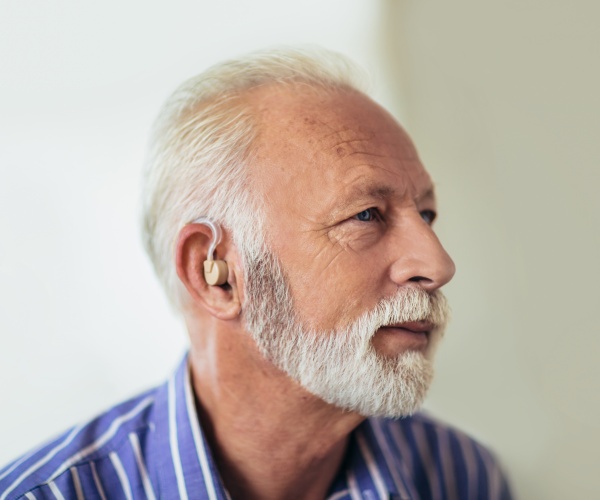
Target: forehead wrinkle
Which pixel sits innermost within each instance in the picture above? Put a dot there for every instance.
(346, 136)
(337, 132)
(356, 147)
(339, 129)
(362, 144)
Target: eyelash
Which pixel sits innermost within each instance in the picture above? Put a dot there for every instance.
(427, 215)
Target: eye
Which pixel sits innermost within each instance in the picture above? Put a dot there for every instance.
(368, 215)
(428, 216)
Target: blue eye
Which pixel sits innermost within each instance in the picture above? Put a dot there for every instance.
(367, 215)
(428, 216)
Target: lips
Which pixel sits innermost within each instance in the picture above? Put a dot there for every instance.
(395, 338)
(414, 326)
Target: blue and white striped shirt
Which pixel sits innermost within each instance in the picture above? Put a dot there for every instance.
(152, 447)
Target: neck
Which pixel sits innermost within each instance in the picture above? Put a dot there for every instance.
(271, 439)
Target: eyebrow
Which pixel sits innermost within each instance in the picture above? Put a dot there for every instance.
(380, 192)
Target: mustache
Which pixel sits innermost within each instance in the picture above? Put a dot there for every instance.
(408, 305)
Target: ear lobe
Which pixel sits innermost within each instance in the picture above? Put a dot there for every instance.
(191, 253)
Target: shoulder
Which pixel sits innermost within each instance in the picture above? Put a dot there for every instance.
(439, 458)
(81, 447)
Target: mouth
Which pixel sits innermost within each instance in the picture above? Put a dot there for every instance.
(412, 335)
(417, 327)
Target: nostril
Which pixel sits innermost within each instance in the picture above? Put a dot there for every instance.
(418, 279)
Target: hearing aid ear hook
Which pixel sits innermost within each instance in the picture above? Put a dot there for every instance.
(215, 271)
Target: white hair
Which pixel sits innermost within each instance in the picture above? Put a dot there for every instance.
(202, 142)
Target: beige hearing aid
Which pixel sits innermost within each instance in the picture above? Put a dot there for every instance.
(215, 271)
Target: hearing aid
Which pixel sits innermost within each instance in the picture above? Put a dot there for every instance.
(215, 271)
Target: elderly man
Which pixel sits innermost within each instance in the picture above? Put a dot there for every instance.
(289, 219)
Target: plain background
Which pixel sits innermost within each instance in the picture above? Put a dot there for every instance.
(502, 101)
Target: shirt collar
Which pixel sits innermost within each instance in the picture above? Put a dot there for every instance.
(184, 465)
(181, 462)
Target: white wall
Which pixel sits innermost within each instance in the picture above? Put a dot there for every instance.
(83, 322)
(501, 99)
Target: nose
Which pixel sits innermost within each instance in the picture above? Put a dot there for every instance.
(419, 257)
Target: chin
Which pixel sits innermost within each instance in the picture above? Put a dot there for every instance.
(379, 387)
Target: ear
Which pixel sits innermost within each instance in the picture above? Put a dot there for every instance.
(222, 301)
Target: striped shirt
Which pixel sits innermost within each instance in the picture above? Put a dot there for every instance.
(152, 447)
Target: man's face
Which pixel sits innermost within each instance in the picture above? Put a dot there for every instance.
(348, 207)
(349, 210)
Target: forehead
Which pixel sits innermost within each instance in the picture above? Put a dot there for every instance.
(317, 149)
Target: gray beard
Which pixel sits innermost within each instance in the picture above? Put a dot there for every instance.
(341, 366)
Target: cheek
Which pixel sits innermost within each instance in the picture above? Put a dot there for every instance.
(332, 292)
